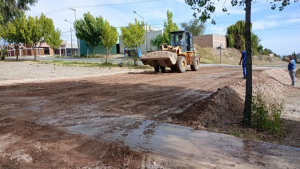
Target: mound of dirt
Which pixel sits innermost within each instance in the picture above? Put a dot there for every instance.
(225, 106)
(222, 107)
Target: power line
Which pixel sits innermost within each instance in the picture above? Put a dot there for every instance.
(280, 27)
(91, 6)
(67, 31)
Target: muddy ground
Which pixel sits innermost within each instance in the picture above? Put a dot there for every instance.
(127, 121)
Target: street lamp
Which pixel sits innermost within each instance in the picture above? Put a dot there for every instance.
(78, 45)
(71, 35)
(145, 32)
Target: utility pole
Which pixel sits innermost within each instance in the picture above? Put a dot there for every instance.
(220, 53)
(71, 40)
(248, 97)
(145, 32)
(78, 43)
(220, 47)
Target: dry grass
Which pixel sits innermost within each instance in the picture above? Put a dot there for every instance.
(298, 73)
(232, 56)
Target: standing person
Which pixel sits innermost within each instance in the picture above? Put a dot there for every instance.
(243, 59)
(291, 68)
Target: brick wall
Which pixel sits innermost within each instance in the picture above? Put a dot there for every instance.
(204, 41)
(217, 40)
(210, 41)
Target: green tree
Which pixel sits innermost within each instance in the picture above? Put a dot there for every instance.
(109, 37)
(255, 40)
(53, 40)
(35, 33)
(195, 26)
(16, 33)
(133, 36)
(169, 26)
(236, 37)
(207, 8)
(39, 31)
(89, 29)
(157, 41)
(46, 28)
(260, 48)
(11, 9)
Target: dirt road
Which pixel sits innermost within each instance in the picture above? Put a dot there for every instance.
(123, 121)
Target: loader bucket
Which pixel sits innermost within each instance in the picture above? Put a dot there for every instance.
(159, 58)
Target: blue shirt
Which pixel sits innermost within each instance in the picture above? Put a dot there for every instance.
(292, 65)
(244, 57)
(180, 42)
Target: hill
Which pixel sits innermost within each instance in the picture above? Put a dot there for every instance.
(233, 56)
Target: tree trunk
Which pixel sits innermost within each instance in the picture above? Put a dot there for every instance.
(135, 56)
(107, 53)
(248, 98)
(34, 53)
(93, 51)
(17, 52)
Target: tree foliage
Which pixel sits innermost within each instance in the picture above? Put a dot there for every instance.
(133, 36)
(260, 48)
(236, 37)
(194, 26)
(53, 40)
(16, 33)
(207, 7)
(40, 30)
(169, 26)
(89, 29)
(11, 9)
(109, 37)
(31, 31)
(157, 41)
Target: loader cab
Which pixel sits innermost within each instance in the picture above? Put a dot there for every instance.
(183, 39)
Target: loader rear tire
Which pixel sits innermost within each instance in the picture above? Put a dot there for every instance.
(195, 65)
(156, 68)
(163, 69)
(181, 64)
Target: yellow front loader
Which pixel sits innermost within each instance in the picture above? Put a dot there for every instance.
(177, 56)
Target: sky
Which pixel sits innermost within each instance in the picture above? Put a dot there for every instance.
(278, 30)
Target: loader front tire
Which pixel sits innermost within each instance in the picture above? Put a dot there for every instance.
(163, 69)
(195, 65)
(181, 64)
(156, 68)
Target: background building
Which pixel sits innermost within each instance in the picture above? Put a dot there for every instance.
(84, 49)
(210, 41)
(151, 33)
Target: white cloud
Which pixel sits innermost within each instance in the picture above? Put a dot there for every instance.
(262, 24)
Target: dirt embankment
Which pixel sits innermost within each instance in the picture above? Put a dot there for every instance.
(223, 110)
(233, 56)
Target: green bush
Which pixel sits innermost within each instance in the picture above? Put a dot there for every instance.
(265, 52)
(298, 73)
(266, 117)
